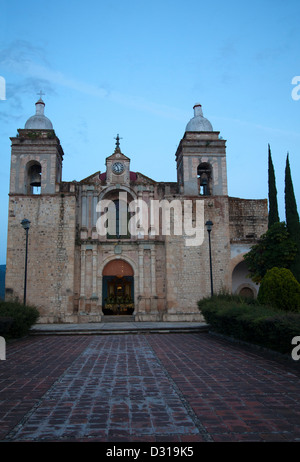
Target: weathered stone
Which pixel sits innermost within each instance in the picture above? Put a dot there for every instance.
(67, 257)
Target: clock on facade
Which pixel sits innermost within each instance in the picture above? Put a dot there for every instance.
(118, 168)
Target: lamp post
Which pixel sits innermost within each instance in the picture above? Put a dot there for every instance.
(209, 225)
(26, 225)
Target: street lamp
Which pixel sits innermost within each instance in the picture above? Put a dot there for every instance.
(209, 225)
(26, 225)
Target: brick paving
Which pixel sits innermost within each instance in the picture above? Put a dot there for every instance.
(138, 387)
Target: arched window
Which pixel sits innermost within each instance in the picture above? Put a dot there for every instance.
(117, 214)
(34, 177)
(204, 179)
(120, 216)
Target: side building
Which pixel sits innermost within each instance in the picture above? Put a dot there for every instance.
(119, 242)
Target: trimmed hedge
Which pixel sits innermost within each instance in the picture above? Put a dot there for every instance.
(246, 320)
(20, 317)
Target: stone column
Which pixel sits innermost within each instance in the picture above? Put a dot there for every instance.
(82, 272)
(84, 211)
(82, 280)
(94, 271)
(141, 270)
(153, 272)
(94, 213)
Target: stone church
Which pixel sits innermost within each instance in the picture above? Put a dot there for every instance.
(94, 248)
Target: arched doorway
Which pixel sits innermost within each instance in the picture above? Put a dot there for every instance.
(246, 292)
(117, 288)
(241, 283)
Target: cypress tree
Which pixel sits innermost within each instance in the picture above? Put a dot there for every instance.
(292, 218)
(273, 206)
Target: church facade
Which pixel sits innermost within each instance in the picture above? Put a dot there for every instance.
(120, 243)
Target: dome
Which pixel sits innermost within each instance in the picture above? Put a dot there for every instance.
(39, 121)
(198, 123)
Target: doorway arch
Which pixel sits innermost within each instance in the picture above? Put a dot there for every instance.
(241, 283)
(117, 288)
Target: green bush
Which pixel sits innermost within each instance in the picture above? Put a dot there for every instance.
(250, 322)
(23, 317)
(280, 289)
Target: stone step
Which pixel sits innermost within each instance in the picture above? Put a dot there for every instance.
(118, 318)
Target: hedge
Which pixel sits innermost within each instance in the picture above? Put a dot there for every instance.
(16, 319)
(250, 322)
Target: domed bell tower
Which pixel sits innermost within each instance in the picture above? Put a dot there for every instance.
(201, 159)
(36, 156)
(36, 194)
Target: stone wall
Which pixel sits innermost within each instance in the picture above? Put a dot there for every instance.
(188, 267)
(51, 250)
(248, 218)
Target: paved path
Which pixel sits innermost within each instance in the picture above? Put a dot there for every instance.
(145, 387)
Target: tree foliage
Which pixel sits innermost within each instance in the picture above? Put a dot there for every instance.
(292, 218)
(275, 248)
(273, 206)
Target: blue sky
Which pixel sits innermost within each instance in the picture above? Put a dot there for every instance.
(137, 68)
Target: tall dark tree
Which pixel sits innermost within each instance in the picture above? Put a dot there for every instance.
(292, 218)
(273, 206)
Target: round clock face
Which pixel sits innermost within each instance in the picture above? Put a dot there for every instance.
(118, 168)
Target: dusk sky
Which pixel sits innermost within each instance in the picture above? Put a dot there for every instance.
(137, 68)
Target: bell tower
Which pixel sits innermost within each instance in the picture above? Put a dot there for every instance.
(201, 159)
(36, 156)
(117, 167)
(37, 194)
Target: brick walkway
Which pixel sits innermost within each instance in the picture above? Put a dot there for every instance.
(157, 388)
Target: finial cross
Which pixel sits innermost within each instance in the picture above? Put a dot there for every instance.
(118, 141)
(40, 94)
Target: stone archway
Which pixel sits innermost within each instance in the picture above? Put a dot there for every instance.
(118, 288)
(241, 283)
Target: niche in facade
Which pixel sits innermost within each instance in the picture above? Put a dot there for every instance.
(34, 178)
(204, 173)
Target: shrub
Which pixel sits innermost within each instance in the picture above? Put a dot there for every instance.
(22, 318)
(250, 322)
(278, 331)
(280, 289)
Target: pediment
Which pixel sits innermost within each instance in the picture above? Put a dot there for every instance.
(94, 178)
(118, 156)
